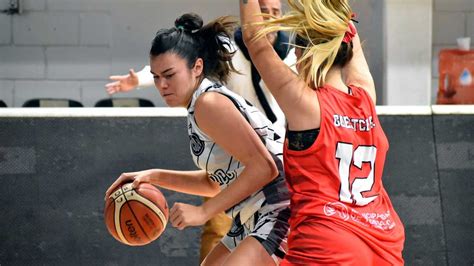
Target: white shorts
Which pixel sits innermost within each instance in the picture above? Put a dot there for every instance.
(269, 225)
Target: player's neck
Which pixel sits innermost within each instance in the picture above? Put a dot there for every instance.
(334, 79)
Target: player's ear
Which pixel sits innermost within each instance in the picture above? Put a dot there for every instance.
(198, 67)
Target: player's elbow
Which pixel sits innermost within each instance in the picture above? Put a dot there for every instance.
(268, 170)
(212, 188)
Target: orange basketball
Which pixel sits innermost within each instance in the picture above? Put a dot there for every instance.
(137, 216)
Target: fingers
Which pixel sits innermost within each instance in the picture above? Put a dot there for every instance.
(117, 77)
(122, 179)
(113, 87)
(140, 179)
(116, 86)
(132, 73)
(112, 90)
(175, 213)
(112, 84)
(176, 217)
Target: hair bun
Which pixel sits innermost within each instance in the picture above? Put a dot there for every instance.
(189, 22)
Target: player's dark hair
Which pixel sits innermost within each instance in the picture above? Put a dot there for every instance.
(191, 40)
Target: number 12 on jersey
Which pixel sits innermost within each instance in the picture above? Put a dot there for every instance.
(347, 156)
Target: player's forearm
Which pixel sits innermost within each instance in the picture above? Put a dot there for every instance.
(189, 182)
(249, 15)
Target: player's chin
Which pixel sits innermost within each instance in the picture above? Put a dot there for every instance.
(171, 102)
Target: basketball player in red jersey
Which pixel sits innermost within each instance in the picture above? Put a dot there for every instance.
(335, 148)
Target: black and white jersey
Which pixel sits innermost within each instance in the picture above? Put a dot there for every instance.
(223, 168)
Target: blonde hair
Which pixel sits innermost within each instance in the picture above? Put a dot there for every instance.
(323, 24)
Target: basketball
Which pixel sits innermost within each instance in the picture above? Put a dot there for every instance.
(137, 216)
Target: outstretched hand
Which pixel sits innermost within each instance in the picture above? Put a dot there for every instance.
(183, 215)
(122, 83)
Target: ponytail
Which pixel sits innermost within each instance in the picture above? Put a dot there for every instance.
(319, 28)
(191, 40)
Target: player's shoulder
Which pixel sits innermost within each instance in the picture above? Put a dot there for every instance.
(211, 100)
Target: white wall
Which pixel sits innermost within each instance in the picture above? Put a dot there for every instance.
(68, 48)
(416, 30)
(370, 15)
(451, 19)
(408, 52)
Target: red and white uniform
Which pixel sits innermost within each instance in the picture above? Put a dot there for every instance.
(340, 211)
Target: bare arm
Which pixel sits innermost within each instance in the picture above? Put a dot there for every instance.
(229, 129)
(296, 99)
(189, 182)
(357, 72)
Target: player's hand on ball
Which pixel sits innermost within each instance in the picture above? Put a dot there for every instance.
(183, 215)
(135, 177)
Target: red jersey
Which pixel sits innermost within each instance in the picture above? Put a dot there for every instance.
(337, 182)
